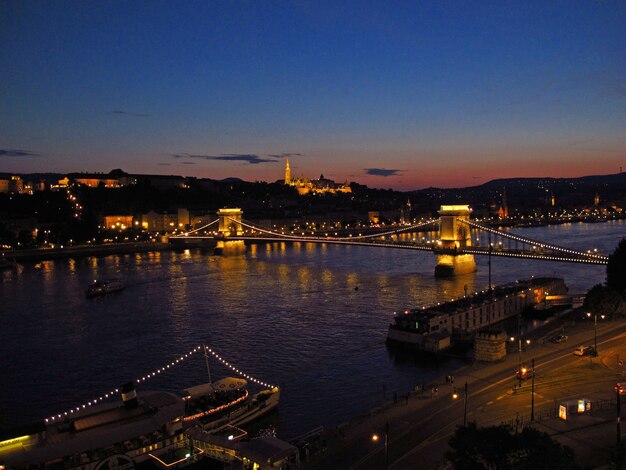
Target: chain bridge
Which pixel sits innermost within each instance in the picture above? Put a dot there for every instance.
(453, 237)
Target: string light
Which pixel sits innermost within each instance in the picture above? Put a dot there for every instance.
(243, 374)
(186, 234)
(143, 378)
(538, 243)
(318, 238)
(215, 410)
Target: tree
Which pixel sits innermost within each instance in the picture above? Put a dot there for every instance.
(603, 300)
(616, 269)
(496, 447)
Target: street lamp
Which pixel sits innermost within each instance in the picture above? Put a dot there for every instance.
(465, 407)
(595, 331)
(455, 396)
(532, 392)
(618, 391)
(376, 437)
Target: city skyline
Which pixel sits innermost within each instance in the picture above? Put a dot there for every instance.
(402, 96)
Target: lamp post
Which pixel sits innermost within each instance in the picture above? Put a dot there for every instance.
(519, 349)
(465, 407)
(532, 392)
(618, 409)
(375, 438)
(455, 396)
(595, 331)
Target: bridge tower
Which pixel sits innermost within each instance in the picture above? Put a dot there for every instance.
(229, 225)
(454, 236)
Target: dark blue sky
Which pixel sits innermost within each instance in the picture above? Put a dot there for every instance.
(389, 94)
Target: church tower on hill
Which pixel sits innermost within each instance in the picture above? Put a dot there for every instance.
(321, 186)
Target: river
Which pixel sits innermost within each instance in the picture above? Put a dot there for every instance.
(312, 318)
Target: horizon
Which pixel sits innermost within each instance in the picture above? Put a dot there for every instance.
(104, 173)
(403, 95)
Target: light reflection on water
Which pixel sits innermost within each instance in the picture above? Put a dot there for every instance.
(311, 317)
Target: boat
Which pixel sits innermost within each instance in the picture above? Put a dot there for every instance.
(239, 412)
(104, 287)
(106, 435)
(151, 426)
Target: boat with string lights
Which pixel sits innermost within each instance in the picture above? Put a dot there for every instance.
(148, 426)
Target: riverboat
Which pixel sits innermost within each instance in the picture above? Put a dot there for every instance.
(440, 327)
(144, 427)
(104, 287)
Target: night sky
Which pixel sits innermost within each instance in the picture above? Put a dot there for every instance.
(394, 94)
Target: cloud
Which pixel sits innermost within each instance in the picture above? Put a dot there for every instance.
(128, 113)
(164, 164)
(189, 163)
(381, 172)
(285, 155)
(252, 159)
(17, 153)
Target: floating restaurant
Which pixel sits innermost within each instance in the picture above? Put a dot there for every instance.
(438, 327)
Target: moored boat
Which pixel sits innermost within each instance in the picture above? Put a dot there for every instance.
(104, 287)
(147, 426)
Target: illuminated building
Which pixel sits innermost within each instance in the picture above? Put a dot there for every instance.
(319, 186)
(503, 213)
(165, 222)
(93, 180)
(11, 184)
(118, 222)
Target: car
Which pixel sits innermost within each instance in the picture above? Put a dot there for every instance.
(524, 373)
(585, 351)
(621, 388)
(558, 338)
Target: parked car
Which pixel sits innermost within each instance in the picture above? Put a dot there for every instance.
(558, 338)
(585, 351)
(621, 388)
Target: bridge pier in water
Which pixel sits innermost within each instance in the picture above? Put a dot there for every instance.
(229, 225)
(454, 236)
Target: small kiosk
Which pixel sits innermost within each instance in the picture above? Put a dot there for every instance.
(572, 408)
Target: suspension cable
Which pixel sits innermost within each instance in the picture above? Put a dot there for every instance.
(311, 237)
(530, 241)
(203, 227)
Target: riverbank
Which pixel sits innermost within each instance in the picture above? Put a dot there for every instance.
(82, 251)
(419, 424)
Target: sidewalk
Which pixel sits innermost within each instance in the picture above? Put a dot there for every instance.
(593, 437)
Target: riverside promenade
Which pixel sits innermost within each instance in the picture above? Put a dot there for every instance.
(421, 424)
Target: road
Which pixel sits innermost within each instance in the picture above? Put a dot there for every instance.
(420, 429)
